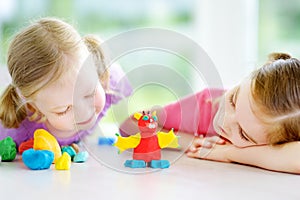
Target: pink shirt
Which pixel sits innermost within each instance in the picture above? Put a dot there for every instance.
(194, 113)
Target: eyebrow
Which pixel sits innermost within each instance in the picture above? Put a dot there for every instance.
(242, 132)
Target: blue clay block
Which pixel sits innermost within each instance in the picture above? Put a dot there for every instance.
(106, 140)
(69, 150)
(162, 164)
(38, 159)
(81, 157)
(135, 163)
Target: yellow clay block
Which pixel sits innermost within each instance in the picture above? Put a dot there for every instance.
(64, 162)
(43, 140)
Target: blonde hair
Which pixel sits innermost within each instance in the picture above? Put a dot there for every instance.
(276, 94)
(37, 57)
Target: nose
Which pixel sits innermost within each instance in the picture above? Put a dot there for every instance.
(229, 122)
(83, 109)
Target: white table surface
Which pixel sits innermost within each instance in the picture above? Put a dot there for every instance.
(103, 176)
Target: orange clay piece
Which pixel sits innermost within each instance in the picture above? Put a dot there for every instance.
(43, 140)
(64, 162)
(26, 145)
(75, 147)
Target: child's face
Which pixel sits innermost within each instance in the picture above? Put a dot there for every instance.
(236, 121)
(73, 102)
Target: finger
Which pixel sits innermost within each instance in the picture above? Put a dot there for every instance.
(206, 144)
(200, 142)
(195, 144)
(192, 154)
(217, 140)
(203, 152)
(200, 153)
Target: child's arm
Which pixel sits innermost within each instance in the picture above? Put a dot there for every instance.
(283, 158)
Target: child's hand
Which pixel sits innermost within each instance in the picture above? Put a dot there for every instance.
(205, 142)
(210, 148)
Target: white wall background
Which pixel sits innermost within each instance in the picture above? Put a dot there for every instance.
(228, 32)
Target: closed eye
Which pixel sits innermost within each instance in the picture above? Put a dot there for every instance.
(243, 137)
(90, 95)
(65, 111)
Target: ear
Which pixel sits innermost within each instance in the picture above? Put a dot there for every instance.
(137, 115)
(31, 107)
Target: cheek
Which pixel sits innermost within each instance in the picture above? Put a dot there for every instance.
(219, 116)
(65, 123)
(99, 99)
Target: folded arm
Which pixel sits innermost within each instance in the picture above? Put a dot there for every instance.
(282, 158)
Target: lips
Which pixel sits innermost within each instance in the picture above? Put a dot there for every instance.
(87, 121)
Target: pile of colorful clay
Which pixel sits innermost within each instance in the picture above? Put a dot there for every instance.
(43, 150)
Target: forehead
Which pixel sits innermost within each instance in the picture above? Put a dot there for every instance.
(246, 117)
(76, 81)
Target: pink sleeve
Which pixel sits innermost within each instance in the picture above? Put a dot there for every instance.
(192, 114)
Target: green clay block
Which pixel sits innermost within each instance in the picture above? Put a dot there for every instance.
(8, 150)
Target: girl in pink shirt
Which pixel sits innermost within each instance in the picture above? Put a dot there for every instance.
(255, 123)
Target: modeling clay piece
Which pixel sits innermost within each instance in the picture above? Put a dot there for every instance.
(106, 140)
(26, 145)
(8, 150)
(75, 147)
(81, 157)
(38, 159)
(69, 150)
(63, 162)
(43, 140)
(147, 144)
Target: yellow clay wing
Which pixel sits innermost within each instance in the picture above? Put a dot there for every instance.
(130, 142)
(169, 139)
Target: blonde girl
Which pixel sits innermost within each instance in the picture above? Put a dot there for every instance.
(60, 82)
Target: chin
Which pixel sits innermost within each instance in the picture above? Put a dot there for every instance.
(84, 127)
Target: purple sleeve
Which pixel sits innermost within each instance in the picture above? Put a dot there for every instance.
(119, 84)
(21, 134)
